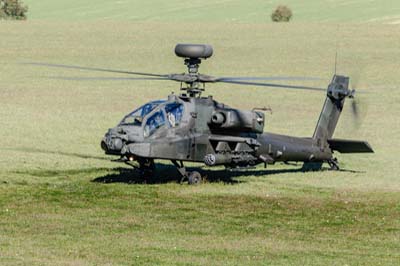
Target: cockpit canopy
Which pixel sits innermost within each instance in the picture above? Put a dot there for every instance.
(155, 115)
(136, 117)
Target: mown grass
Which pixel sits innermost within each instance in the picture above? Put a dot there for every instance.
(63, 203)
(91, 223)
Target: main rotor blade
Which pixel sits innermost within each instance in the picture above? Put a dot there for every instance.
(105, 78)
(94, 69)
(274, 85)
(266, 78)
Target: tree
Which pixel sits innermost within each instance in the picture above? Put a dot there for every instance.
(13, 9)
(281, 14)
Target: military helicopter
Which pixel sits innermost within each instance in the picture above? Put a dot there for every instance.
(192, 128)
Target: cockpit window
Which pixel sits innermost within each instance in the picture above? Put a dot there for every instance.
(136, 117)
(154, 122)
(174, 113)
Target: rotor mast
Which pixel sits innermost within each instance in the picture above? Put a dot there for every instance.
(193, 87)
(193, 54)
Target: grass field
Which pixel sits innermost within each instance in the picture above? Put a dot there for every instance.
(386, 11)
(63, 203)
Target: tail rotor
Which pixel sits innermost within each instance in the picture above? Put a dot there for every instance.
(356, 102)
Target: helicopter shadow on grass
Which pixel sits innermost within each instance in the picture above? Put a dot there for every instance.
(52, 152)
(165, 173)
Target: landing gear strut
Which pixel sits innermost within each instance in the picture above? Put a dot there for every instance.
(334, 164)
(193, 178)
(146, 167)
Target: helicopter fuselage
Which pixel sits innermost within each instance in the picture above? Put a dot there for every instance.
(199, 129)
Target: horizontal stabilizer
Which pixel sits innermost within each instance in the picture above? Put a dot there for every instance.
(349, 146)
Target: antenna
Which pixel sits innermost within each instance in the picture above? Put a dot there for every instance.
(336, 49)
(336, 58)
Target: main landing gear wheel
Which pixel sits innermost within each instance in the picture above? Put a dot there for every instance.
(194, 178)
(146, 168)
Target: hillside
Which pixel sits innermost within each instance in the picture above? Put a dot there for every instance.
(63, 202)
(384, 11)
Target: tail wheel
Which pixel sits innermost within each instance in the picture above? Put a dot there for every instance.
(194, 178)
(334, 164)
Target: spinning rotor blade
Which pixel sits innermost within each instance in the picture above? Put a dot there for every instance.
(274, 85)
(96, 69)
(105, 78)
(210, 79)
(266, 78)
(186, 78)
(354, 101)
(354, 108)
(357, 113)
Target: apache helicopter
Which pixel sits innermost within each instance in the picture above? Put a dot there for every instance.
(191, 128)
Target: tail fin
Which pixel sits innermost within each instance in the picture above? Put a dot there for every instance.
(337, 91)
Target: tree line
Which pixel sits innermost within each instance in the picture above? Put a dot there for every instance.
(13, 9)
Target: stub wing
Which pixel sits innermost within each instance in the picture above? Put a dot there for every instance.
(350, 146)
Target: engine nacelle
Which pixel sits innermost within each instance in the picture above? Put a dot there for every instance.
(238, 120)
(218, 118)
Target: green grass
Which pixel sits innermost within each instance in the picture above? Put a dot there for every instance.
(387, 11)
(85, 223)
(53, 213)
